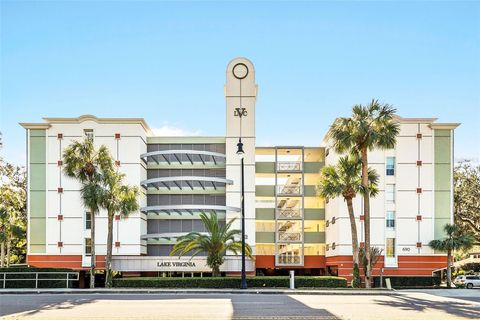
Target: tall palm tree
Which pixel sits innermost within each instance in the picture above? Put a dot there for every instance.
(87, 164)
(454, 240)
(116, 198)
(370, 127)
(345, 179)
(216, 242)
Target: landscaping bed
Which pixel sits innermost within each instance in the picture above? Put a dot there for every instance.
(229, 282)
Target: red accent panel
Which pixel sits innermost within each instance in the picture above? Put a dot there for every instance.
(117, 217)
(59, 244)
(419, 162)
(362, 217)
(117, 163)
(60, 190)
(59, 135)
(265, 261)
(62, 261)
(419, 190)
(117, 135)
(419, 217)
(314, 262)
(117, 244)
(419, 244)
(60, 217)
(419, 136)
(309, 262)
(59, 162)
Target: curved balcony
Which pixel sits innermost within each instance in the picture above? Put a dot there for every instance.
(187, 209)
(183, 156)
(185, 182)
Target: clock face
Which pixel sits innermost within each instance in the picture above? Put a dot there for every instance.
(240, 71)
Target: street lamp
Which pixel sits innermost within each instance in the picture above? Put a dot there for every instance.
(241, 154)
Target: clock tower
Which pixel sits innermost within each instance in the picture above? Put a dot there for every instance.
(240, 96)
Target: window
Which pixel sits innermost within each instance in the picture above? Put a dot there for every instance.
(88, 220)
(390, 247)
(88, 246)
(88, 134)
(390, 166)
(390, 219)
(390, 193)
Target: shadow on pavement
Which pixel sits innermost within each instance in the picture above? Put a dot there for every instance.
(417, 304)
(245, 306)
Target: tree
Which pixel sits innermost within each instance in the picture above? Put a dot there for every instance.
(344, 179)
(216, 242)
(454, 240)
(370, 127)
(375, 254)
(466, 198)
(13, 215)
(115, 198)
(86, 164)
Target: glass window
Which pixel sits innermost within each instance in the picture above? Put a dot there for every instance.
(88, 246)
(390, 166)
(390, 219)
(88, 220)
(390, 193)
(390, 247)
(88, 134)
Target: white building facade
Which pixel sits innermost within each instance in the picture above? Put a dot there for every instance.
(287, 224)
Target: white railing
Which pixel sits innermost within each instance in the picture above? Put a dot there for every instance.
(289, 260)
(289, 166)
(290, 213)
(37, 277)
(289, 190)
(289, 236)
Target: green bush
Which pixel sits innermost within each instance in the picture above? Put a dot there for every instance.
(409, 282)
(230, 282)
(44, 273)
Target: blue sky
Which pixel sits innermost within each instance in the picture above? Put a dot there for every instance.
(165, 62)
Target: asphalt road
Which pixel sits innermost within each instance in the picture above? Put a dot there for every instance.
(406, 305)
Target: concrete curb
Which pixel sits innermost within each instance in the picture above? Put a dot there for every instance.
(346, 292)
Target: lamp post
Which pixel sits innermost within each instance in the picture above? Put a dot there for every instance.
(241, 154)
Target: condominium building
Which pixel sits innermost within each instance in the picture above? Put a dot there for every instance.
(287, 224)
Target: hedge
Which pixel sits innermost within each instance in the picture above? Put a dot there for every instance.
(44, 274)
(408, 282)
(230, 282)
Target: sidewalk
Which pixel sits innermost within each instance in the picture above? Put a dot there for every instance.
(339, 291)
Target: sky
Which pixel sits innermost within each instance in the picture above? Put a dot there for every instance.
(165, 62)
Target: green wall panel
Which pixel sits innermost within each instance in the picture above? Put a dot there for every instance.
(265, 167)
(313, 167)
(37, 191)
(265, 214)
(314, 237)
(443, 179)
(265, 237)
(310, 191)
(314, 214)
(265, 191)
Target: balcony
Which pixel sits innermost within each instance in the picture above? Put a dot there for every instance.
(289, 236)
(289, 166)
(287, 260)
(289, 213)
(289, 190)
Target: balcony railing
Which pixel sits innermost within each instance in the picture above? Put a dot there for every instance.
(289, 190)
(289, 166)
(289, 260)
(291, 213)
(289, 236)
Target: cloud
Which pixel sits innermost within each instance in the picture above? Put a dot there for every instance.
(169, 131)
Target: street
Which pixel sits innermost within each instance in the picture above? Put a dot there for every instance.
(413, 304)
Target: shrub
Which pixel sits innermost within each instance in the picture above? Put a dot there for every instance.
(230, 282)
(471, 266)
(44, 273)
(408, 282)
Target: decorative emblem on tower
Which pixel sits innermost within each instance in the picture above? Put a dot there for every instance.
(240, 71)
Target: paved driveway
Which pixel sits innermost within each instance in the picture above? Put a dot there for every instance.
(405, 305)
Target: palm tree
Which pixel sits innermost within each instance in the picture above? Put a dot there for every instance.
(344, 179)
(375, 254)
(454, 240)
(218, 240)
(370, 127)
(85, 163)
(116, 198)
